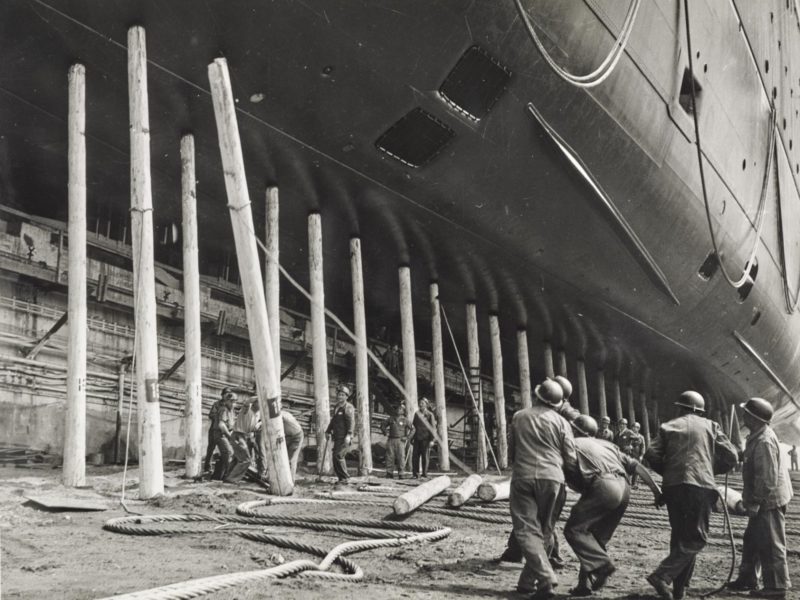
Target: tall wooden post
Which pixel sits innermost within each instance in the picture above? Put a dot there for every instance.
(524, 368)
(617, 399)
(602, 405)
(267, 379)
(319, 350)
(549, 369)
(583, 391)
(437, 376)
(272, 276)
(562, 364)
(499, 392)
(474, 362)
(151, 473)
(657, 416)
(74, 470)
(630, 406)
(362, 374)
(645, 417)
(407, 336)
(191, 313)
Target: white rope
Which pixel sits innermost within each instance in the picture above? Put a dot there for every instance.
(601, 73)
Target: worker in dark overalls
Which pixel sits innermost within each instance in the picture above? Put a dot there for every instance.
(396, 429)
(223, 431)
(767, 491)
(340, 429)
(685, 453)
(600, 476)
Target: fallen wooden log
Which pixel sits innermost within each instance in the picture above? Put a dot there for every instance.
(419, 495)
(492, 491)
(465, 491)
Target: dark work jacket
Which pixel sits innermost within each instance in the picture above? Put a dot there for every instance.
(342, 422)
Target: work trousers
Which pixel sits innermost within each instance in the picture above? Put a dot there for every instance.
(339, 464)
(535, 504)
(765, 546)
(689, 508)
(225, 456)
(241, 457)
(420, 454)
(293, 445)
(513, 552)
(212, 445)
(395, 456)
(594, 518)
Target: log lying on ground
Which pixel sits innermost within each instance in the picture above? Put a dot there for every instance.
(419, 495)
(491, 491)
(465, 491)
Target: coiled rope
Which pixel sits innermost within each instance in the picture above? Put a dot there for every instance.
(385, 534)
(605, 69)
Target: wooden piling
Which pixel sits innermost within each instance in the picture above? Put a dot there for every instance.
(499, 392)
(465, 491)
(409, 347)
(193, 411)
(524, 369)
(319, 351)
(267, 379)
(474, 369)
(491, 491)
(272, 275)
(561, 355)
(74, 471)
(602, 404)
(437, 376)
(629, 405)
(419, 495)
(151, 473)
(583, 391)
(362, 366)
(617, 399)
(645, 417)
(549, 369)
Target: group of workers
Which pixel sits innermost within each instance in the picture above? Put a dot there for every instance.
(553, 446)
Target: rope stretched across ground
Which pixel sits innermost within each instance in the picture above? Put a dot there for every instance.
(386, 534)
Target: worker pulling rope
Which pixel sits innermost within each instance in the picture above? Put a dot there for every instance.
(386, 534)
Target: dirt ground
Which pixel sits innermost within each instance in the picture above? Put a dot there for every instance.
(67, 554)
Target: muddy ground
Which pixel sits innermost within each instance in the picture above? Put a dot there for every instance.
(67, 554)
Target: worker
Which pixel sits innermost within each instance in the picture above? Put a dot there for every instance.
(767, 491)
(600, 476)
(623, 436)
(605, 432)
(636, 450)
(793, 457)
(341, 430)
(212, 432)
(248, 423)
(223, 430)
(424, 426)
(513, 552)
(542, 447)
(685, 452)
(396, 429)
(293, 434)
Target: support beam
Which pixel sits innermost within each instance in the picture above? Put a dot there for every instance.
(192, 335)
(419, 495)
(524, 369)
(407, 338)
(437, 376)
(549, 370)
(268, 385)
(657, 416)
(630, 405)
(319, 350)
(645, 417)
(151, 469)
(583, 390)
(474, 370)
(602, 404)
(617, 400)
(74, 470)
(33, 352)
(272, 275)
(562, 364)
(499, 392)
(362, 366)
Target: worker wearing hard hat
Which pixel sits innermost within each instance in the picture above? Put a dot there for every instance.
(605, 433)
(341, 430)
(767, 491)
(685, 453)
